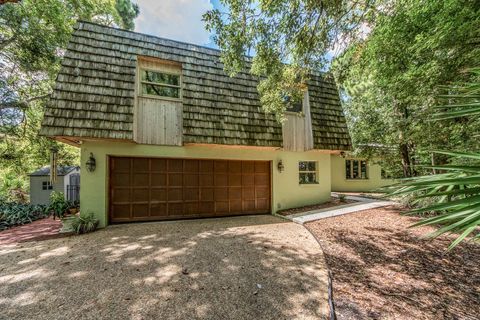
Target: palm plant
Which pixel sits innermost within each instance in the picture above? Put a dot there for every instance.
(456, 188)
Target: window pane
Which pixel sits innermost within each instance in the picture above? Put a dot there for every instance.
(302, 166)
(355, 169)
(306, 178)
(158, 77)
(155, 90)
(363, 169)
(348, 164)
(312, 166)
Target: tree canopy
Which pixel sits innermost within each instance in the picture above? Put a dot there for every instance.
(33, 37)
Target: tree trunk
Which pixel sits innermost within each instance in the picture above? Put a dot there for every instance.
(406, 164)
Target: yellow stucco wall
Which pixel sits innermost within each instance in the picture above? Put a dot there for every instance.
(341, 184)
(286, 191)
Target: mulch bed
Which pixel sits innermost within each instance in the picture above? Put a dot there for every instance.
(383, 270)
(42, 229)
(324, 205)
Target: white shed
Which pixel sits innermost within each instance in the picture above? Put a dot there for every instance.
(68, 182)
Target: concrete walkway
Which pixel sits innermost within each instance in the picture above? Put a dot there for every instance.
(361, 204)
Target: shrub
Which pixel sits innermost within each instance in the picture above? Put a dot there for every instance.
(342, 197)
(58, 205)
(84, 223)
(12, 214)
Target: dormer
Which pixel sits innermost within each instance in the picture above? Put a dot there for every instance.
(297, 128)
(158, 112)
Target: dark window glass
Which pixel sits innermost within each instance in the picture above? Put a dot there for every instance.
(155, 90)
(363, 169)
(162, 78)
(293, 106)
(46, 185)
(348, 169)
(356, 169)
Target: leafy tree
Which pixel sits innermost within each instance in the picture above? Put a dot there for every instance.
(455, 190)
(392, 78)
(33, 37)
(297, 32)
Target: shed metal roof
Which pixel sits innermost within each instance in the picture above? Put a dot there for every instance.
(61, 171)
(94, 94)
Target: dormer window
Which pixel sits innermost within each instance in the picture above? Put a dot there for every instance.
(160, 84)
(293, 106)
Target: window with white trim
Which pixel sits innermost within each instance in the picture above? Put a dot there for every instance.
(160, 84)
(307, 172)
(46, 185)
(356, 169)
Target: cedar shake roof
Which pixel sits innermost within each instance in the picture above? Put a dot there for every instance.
(94, 94)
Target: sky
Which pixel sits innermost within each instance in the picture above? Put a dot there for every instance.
(179, 20)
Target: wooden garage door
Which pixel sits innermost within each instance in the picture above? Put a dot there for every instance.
(143, 189)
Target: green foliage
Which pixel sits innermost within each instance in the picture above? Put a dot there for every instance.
(84, 223)
(342, 197)
(456, 190)
(391, 82)
(297, 32)
(33, 38)
(58, 204)
(13, 214)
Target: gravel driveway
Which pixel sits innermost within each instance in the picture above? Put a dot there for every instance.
(256, 267)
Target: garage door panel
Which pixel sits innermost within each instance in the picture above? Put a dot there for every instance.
(207, 194)
(235, 193)
(156, 189)
(175, 165)
(121, 210)
(191, 166)
(175, 194)
(262, 167)
(221, 166)
(141, 179)
(158, 179)
(121, 195)
(121, 179)
(175, 209)
(206, 208)
(262, 192)
(221, 207)
(235, 180)
(158, 165)
(191, 194)
(158, 194)
(248, 180)
(141, 195)
(206, 166)
(141, 165)
(121, 164)
(235, 167)
(221, 180)
(206, 180)
(140, 210)
(248, 167)
(263, 204)
(175, 180)
(261, 180)
(221, 194)
(248, 193)
(190, 180)
(158, 209)
(236, 206)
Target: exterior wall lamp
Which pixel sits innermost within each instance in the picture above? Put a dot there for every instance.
(280, 166)
(91, 163)
(342, 154)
